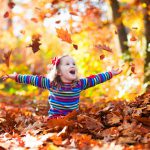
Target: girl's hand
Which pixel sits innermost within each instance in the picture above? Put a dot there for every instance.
(11, 76)
(116, 71)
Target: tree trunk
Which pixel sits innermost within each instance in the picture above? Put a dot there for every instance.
(147, 35)
(121, 29)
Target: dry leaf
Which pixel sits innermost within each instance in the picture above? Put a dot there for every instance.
(102, 56)
(34, 20)
(6, 15)
(7, 58)
(35, 43)
(11, 5)
(64, 35)
(103, 47)
(75, 46)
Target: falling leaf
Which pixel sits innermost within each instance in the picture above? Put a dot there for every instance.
(73, 13)
(6, 15)
(116, 32)
(34, 20)
(103, 47)
(58, 21)
(35, 43)
(64, 35)
(7, 57)
(22, 31)
(75, 46)
(133, 38)
(133, 69)
(102, 56)
(11, 5)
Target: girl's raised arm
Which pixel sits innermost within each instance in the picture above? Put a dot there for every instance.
(35, 80)
(97, 79)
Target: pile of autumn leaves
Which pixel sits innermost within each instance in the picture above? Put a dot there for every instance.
(103, 125)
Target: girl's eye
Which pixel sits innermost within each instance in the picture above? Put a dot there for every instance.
(74, 64)
(67, 64)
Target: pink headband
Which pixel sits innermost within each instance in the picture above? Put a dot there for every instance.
(55, 61)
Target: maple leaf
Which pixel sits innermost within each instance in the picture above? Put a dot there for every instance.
(7, 57)
(6, 15)
(11, 5)
(103, 47)
(35, 43)
(75, 46)
(64, 35)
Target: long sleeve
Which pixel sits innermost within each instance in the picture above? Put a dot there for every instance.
(34, 80)
(94, 80)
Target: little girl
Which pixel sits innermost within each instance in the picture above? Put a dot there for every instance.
(63, 84)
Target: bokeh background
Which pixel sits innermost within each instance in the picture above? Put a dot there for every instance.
(121, 25)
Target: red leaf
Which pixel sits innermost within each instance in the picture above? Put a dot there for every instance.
(35, 43)
(11, 5)
(7, 58)
(103, 47)
(102, 56)
(6, 15)
(34, 20)
(64, 35)
(75, 46)
(133, 68)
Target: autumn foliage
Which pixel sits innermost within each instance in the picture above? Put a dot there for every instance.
(95, 125)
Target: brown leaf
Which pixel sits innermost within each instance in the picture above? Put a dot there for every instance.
(11, 5)
(103, 47)
(58, 21)
(35, 43)
(102, 56)
(6, 15)
(22, 31)
(75, 46)
(7, 57)
(64, 35)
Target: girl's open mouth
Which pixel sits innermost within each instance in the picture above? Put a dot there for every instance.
(72, 72)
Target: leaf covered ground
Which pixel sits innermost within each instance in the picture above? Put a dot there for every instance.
(103, 125)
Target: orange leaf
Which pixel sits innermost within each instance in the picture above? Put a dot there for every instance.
(103, 47)
(35, 43)
(34, 20)
(102, 56)
(6, 15)
(11, 5)
(7, 58)
(73, 13)
(133, 38)
(64, 35)
(75, 46)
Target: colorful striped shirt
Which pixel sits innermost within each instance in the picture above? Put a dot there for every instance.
(65, 98)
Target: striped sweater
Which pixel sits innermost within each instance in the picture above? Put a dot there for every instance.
(65, 98)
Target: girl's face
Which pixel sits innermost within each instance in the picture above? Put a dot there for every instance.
(67, 69)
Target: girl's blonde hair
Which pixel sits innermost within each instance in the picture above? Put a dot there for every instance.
(53, 72)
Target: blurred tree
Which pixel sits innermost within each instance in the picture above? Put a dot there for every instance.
(120, 27)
